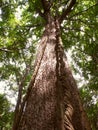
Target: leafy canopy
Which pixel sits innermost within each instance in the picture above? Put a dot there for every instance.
(21, 27)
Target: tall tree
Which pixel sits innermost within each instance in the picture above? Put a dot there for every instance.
(52, 100)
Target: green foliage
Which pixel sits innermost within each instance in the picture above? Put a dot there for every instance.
(5, 113)
(90, 101)
(21, 27)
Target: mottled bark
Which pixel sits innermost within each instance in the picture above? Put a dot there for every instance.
(53, 102)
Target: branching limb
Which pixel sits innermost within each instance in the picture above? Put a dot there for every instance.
(46, 9)
(79, 30)
(67, 10)
(83, 11)
(5, 50)
(46, 5)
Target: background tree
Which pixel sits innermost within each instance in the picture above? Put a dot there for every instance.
(17, 42)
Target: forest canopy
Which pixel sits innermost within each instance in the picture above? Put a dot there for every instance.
(21, 27)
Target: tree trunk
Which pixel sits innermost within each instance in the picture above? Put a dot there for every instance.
(53, 102)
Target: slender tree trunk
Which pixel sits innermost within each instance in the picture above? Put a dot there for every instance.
(53, 102)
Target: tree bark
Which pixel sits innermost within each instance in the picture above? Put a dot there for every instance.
(53, 102)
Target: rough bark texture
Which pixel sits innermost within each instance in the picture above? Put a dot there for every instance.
(53, 103)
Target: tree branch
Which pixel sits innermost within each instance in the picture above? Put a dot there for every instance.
(79, 30)
(66, 11)
(46, 5)
(85, 22)
(83, 11)
(5, 50)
